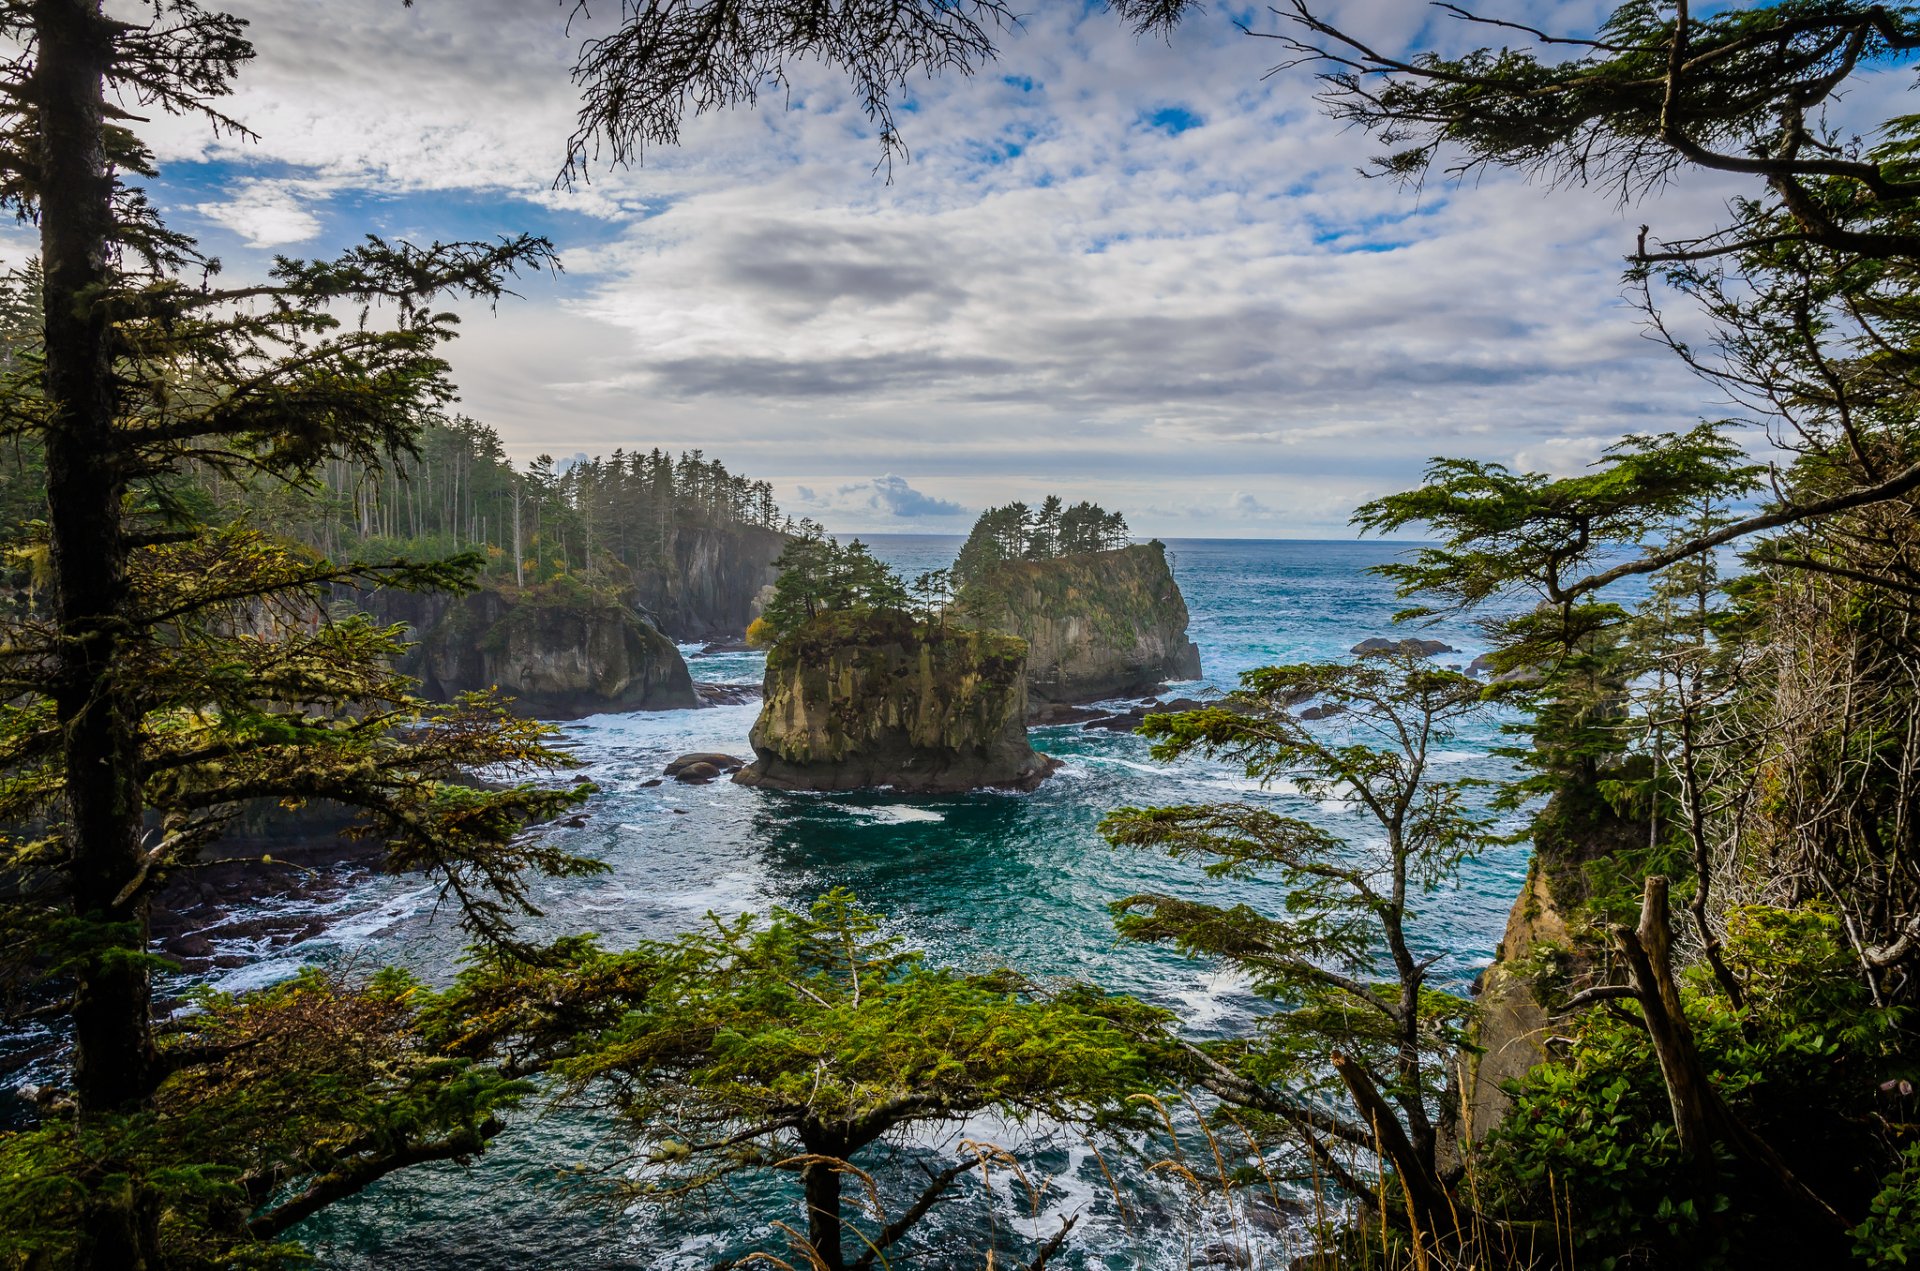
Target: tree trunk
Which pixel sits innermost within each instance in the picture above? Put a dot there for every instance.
(821, 1180)
(1700, 1116)
(113, 1043)
(84, 490)
(1433, 1216)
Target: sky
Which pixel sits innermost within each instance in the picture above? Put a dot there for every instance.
(1144, 272)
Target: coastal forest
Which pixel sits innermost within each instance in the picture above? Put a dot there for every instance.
(1695, 1044)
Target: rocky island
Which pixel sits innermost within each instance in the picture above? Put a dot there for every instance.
(1101, 617)
(557, 654)
(861, 693)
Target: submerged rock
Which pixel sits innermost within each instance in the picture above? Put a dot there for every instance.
(1096, 624)
(711, 758)
(1411, 646)
(859, 699)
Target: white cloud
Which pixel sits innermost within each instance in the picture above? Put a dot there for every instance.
(1052, 295)
(869, 505)
(267, 213)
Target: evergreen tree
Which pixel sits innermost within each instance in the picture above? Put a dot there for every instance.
(186, 667)
(801, 1044)
(1343, 962)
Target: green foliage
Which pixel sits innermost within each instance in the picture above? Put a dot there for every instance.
(1890, 1237)
(1340, 960)
(454, 490)
(1802, 1064)
(1018, 532)
(274, 1103)
(760, 1046)
(819, 576)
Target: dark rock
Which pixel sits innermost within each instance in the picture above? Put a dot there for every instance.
(710, 758)
(558, 656)
(696, 774)
(715, 647)
(1411, 646)
(652, 781)
(678, 811)
(1222, 1254)
(1274, 1214)
(190, 946)
(1064, 713)
(725, 694)
(1128, 721)
(1323, 712)
(710, 582)
(575, 822)
(1482, 665)
(1097, 624)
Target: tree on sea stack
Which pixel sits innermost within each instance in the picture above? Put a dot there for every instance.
(185, 668)
(1358, 1017)
(798, 1044)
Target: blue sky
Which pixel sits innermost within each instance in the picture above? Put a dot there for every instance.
(1141, 272)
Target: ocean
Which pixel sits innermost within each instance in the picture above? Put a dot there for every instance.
(975, 880)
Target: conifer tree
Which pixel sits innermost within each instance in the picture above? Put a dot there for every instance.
(185, 667)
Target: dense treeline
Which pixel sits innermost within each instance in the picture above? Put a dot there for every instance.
(1019, 532)
(457, 491)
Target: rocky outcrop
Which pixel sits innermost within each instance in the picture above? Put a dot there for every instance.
(1412, 647)
(711, 582)
(558, 657)
(1512, 1025)
(861, 699)
(1098, 624)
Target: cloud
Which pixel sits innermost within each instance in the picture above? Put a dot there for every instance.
(1140, 271)
(266, 213)
(889, 497)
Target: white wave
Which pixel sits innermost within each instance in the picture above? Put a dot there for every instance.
(895, 815)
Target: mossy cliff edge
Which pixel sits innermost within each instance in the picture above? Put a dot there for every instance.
(1096, 624)
(556, 655)
(860, 698)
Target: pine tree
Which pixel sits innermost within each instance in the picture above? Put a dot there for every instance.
(186, 667)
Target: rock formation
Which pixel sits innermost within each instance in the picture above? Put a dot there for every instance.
(1097, 624)
(557, 657)
(857, 699)
(711, 582)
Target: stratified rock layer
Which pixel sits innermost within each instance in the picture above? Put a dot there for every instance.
(1098, 624)
(557, 658)
(860, 699)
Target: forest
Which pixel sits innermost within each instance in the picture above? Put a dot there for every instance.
(1720, 782)
(1018, 532)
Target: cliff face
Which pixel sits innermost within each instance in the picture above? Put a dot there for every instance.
(557, 658)
(856, 700)
(1101, 624)
(1542, 958)
(713, 587)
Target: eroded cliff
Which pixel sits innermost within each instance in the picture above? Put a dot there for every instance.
(858, 699)
(557, 656)
(711, 583)
(1096, 624)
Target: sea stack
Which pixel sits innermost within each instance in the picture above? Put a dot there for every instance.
(866, 698)
(1097, 624)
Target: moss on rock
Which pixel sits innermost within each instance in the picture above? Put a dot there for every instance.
(1096, 624)
(863, 698)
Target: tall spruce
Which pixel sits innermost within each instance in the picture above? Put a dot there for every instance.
(183, 668)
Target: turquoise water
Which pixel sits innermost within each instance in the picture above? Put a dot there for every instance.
(975, 880)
